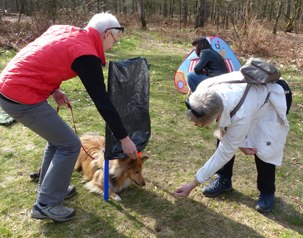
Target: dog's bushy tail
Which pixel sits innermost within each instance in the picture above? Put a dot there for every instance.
(94, 188)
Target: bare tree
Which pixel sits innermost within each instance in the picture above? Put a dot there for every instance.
(171, 8)
(222, 13)
(288, 7)
(295, 15)
(142, 13)
(184, 11)
(133, 6)
(279, 10)
(199, 21)
(164, 8)
(206, 9)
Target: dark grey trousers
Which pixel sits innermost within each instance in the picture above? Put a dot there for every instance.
(61, 152)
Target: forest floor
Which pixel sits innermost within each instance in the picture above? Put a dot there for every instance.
(287, 47)
(176, 148)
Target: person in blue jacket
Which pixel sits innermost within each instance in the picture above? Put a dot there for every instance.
(210, 63)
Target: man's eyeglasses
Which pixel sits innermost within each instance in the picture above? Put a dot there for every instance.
(119, 28)
(196, 114)
(113, 37)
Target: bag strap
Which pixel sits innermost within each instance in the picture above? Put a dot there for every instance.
(233, 112)
(230, 81)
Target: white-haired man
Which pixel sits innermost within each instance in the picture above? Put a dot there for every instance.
(35, 73)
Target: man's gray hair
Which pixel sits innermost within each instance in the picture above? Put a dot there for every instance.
(102, 21)
(207, 101)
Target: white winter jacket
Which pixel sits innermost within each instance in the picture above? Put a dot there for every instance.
(255, 125)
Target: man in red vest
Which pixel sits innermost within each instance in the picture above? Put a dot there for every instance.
(35, 73)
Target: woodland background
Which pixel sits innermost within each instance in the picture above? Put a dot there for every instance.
(224, 13)
(249, 26)
(162, 32)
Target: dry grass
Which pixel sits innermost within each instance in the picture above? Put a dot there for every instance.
(176, 150)
(254, 40)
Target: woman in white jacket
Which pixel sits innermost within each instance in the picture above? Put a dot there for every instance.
(258, 128)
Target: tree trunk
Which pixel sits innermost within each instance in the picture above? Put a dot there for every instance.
(199, 21)
(295, 15)
(206, 7)
(21, 9)
(288, 7)
(171, 8)
(227, 13)
(115, 6)
(142, 14)
(180, 13)
(279, 10)
(164, 8)
(184, 12)
(124, 7)
(133, 6)
(52, 10)
(299, 10)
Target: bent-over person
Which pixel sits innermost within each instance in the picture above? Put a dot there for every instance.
(35, 73)
(258, 128)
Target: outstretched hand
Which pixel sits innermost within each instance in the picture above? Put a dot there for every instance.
(60, 97)
(185, 190)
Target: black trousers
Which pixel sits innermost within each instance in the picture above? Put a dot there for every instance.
(266, 172)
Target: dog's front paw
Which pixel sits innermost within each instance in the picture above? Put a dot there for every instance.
(117, 198)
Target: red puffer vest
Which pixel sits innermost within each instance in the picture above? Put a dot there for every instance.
(40, 67)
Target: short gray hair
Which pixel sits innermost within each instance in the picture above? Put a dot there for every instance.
(102, 21)
(207, 101)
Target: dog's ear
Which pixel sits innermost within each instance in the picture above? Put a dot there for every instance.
(131, 162)
(143, 158)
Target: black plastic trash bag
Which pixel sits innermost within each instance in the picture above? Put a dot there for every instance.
(128, 88)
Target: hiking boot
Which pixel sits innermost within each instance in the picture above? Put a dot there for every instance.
(71, 191)
(265, 202)
(57, 213)
(217, 186)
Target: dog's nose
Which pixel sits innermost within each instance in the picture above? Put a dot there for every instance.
(143, 184)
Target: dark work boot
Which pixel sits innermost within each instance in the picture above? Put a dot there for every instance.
(216, 186)
(265, 202)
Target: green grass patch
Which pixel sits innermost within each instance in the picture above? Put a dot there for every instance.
(176, 150)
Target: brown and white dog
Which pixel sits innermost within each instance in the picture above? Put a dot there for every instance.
(122, 172)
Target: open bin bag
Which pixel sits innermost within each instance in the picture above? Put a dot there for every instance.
(128, 88)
